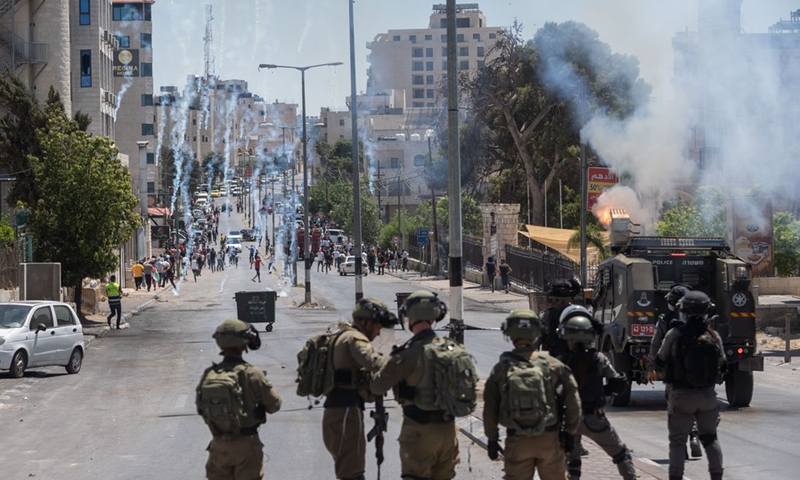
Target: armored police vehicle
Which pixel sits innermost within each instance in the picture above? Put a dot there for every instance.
(628, 297)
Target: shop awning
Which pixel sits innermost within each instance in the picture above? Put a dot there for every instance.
(557, 239)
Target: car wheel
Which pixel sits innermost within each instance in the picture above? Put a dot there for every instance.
(75, 361)
(18, 364)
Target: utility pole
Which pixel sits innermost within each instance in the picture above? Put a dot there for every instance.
(435, 240)
(378, 188)
(356, 169)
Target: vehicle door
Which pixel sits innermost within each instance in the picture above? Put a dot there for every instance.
(68, 333)
(43, 344)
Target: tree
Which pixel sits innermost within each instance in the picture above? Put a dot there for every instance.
(87, 208)
(594, 237)
(706, 217)
(531, 99)
(786, 232)
(6, 234)
(471, 217)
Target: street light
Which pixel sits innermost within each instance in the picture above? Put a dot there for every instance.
(306, 237)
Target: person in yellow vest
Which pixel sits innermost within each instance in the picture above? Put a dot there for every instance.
(114, 294)
(137, 270)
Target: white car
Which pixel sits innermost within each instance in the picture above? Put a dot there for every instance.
(40, 333)
(349, 266)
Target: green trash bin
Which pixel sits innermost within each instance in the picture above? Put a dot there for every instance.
(257, 307)
(401, 299)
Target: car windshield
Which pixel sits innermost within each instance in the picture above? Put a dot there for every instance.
(13, 316)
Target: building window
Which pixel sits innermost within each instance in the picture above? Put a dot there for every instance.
(460, 38)
(481, 63)
(419, 160)
(462, 22)
(394, 162)
(151, 158)
(86, 68)
(481, 52)
(444, 64)
(341, 122)
(444, 51)
(146, 40)
(416, 66)
(416, 52)
(428, 79)
(147, 100)
(492, 36)
(124, 41)
(428, 66)
(396, 38)
(127, 12)
(151, 187)
(444, 37)
(476, 36)
(85, 17)
(463, 65)
(429, 52)
(429, 93)
(412, 38)
(419, 93)
(417, 104)
(417, 80)
(428, 38)
(463, 51)
(430, 104)
(147, 129)
(147, 69)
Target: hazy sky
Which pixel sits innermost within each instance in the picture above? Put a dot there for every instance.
(305, 32)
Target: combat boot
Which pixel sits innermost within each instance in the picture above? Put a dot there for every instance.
(695, 447)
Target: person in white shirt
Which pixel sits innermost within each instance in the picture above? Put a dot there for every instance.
(336, 256)
(320, 259)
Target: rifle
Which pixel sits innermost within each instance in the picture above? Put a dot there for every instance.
(381, 417)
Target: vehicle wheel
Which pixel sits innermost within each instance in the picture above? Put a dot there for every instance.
(622, 364)
(18, 364)
(739, 387)
(75, 361)
(269, 327)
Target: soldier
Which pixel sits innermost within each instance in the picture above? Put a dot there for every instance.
(664, 323)
(693, 356)
(525, 376)
(354, 358)
(233, 398)
(560, 295)
(590, 367)
(428, 442)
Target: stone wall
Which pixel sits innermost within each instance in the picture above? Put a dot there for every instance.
(506, 221)
(778, 285)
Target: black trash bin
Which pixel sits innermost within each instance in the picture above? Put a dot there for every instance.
(257, 307)
(401, 299)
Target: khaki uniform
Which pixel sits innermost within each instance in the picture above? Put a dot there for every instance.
(525, 454)
(428, 442)
(241, 457)
(343, 420)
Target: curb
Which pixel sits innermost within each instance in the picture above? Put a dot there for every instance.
(125, 317)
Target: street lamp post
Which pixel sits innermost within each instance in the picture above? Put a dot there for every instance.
(306, 237)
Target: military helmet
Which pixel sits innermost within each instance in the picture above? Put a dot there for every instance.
(423, 305)
(564, 288)
(236, 333)
(695, 305)
(376, 310)
(675, 294)
(522, 323)
(575, 325)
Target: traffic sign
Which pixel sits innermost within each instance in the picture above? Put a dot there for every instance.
(395, 239)
(422, 236)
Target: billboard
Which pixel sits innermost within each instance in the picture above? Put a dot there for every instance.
(752, 233)
(600, 179)
(126, 63)
(159, 231)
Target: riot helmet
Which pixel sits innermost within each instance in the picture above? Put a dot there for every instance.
(522, 323)
(695, 306)
(564, 288)
(575, 325)
(423, 305)
(236, 333)
(375, 310)
(675, 294)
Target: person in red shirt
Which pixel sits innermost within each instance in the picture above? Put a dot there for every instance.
(257, 266)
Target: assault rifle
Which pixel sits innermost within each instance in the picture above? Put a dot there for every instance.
(381, 417)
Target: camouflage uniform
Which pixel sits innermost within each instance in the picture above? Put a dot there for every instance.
(241, 457)
(525, 454)
(428, 443)
(343, 420)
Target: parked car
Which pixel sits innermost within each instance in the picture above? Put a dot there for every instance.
(337, 236)
(248, 234)
(40, 333)
(349, 266)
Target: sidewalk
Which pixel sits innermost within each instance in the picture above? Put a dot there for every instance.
(597, 465)
(133, 302)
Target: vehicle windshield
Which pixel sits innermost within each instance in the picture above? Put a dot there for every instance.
(13, 316)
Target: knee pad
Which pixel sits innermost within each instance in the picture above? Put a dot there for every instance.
(621, 456)
(707, 439)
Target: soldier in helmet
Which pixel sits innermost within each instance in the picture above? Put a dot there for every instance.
(354, 359)
(560, 295)
(535, 397)
(590, 368)
(664, 323)
(693, 355)
(234, 397)
(428, 442)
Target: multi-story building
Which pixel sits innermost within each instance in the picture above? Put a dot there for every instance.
(133, 88)
(413, 61)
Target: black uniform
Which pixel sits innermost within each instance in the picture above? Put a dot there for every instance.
(551, 341)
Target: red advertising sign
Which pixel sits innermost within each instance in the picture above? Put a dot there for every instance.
(600, 179)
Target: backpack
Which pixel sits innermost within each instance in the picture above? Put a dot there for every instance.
(698, 360)
(315, 365)
(449, 380)
(220, 399)
(527, 388)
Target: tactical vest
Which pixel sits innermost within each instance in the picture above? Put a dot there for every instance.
(586, 370)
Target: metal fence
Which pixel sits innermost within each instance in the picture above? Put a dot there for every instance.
(472, 252)
(535, 269)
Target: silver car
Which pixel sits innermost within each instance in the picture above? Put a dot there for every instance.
(40, 333)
